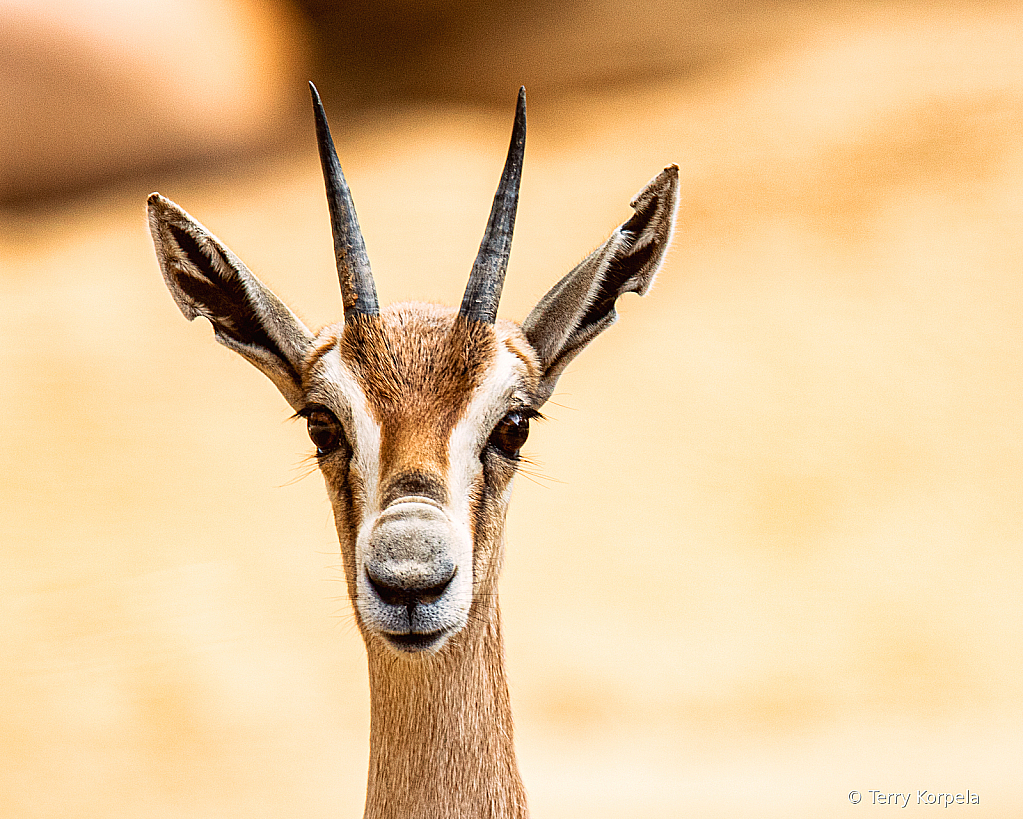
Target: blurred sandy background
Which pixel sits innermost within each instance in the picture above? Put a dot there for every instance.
(771, 552)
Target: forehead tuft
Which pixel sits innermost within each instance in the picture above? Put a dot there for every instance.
(417, 357)
(415, 351)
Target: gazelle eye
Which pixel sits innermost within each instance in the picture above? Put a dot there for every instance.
(510, 433)
(324, 430)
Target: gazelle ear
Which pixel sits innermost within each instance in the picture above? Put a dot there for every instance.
(206, 279)
(582, 304)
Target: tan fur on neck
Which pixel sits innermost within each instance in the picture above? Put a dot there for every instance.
(441, 730)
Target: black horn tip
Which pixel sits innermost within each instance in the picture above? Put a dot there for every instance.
(317, 104)
(520, 114)
(358, 291)
(322, 129)
(483, 291)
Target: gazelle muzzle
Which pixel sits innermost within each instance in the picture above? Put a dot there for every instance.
(415, 582)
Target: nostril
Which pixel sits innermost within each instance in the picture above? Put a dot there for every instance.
(402, 594)
(391, 594)
(434, 592)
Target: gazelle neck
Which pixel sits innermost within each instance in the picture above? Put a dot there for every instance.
(441, 730)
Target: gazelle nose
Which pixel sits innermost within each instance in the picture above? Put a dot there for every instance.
(394, 592)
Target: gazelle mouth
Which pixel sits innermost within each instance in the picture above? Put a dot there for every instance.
(414, 643)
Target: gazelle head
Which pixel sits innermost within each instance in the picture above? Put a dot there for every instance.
(417, 411)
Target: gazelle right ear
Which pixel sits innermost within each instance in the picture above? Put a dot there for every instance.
(206, 279)
(582, 304)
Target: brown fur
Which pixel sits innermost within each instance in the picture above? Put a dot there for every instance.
(418, 366)
(441, 742)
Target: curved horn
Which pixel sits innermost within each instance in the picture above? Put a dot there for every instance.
(358, 293)
(487, 278)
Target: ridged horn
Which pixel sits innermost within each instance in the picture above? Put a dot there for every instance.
(358, 293)
(483, 292)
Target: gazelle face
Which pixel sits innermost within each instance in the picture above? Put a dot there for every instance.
(417, 411)
(418, 416)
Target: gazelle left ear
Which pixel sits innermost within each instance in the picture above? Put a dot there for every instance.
(582, 304)
(206, 279)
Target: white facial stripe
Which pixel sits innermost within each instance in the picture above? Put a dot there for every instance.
(362, 428)
(488, 404)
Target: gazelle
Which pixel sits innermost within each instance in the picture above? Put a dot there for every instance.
(418, 413)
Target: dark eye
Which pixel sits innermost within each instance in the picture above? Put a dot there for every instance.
(324, 430)
(510, 433)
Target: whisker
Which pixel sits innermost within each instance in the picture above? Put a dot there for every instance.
(527, 466)
(308, 465)
(568, 407)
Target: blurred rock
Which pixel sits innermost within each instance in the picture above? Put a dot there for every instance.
(92, 90)
(477, 51)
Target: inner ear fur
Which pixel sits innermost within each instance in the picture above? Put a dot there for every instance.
(206, 279)
(582, 304)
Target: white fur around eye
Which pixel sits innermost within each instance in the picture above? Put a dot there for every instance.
(489, 403)
(362, 427)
